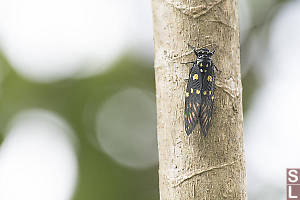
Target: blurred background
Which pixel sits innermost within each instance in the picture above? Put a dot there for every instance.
(77, 102)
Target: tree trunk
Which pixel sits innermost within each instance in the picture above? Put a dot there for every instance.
(198, 167)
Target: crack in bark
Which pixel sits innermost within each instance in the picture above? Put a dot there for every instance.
(182, 179)
(230, 87)
(220, 22)
(195, 11)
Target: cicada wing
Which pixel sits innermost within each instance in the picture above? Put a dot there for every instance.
(205, 116)
(191, 116)
(207, 100)
(192, 99)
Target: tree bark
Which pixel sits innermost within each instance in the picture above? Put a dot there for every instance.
(198, 167)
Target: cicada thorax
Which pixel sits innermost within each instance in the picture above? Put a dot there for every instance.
(204, 65)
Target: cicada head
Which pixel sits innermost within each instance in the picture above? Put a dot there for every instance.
(204, 53)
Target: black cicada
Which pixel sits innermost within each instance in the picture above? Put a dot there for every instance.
(199, 96)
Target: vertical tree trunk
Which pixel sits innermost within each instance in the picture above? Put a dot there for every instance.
(198, 167)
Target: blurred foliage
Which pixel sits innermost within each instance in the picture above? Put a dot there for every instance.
(99, 175)
(262, 15)
(250, 85)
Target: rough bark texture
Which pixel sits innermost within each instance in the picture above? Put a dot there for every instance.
(198, 167)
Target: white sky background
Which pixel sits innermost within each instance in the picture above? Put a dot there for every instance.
(37, 158)
(52, 39)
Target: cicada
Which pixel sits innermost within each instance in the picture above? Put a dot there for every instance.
(199, 94)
